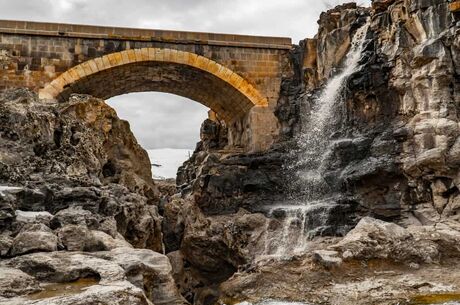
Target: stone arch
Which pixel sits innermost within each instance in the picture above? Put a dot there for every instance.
(165, 70)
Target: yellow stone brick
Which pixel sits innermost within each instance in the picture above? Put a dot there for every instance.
(116, 58)
(234, 79)
(175, 54)
(73, 73)
(159, 54)
(93, 66)
(112, 60)
(220, 72)
(185, 58)
(192, 59)
(124, 57)
(58, 84)
(44, 94)
(99, 63)
(87, 68)
(180, 57)
(166, 55)
(227, 74)
(67, 77)
(151, 53)
(213, 67)
(455, 6)
(80, 71)
(49, 92)
(260, 100)
(145, 54)
(106, 62)
(172, 56)
(244, 84)
(202, 63)
(131, 55)
(245, 87)
(253, 94)
(138, 55)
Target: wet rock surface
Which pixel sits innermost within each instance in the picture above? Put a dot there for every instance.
(376, 263)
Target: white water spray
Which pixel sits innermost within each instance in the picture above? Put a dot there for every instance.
(316, 134)
(313, 207)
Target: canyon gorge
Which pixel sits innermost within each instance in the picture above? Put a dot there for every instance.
(344, 189)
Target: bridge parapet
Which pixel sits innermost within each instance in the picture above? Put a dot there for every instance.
(120, 33)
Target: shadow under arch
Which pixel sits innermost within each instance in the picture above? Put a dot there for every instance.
(164, 70)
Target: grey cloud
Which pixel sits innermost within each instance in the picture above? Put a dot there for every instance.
(161, 120)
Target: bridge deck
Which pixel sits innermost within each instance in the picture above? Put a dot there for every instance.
(119, 33)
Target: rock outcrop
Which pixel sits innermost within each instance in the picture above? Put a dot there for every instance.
(81, 164)
(393, 153)
(391, 158)
(76, 199)
(119, 276)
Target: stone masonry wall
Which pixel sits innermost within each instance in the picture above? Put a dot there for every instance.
(34, 56)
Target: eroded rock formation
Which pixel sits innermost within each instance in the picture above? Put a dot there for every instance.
(392, 158)
(80, 205)
(73, 178)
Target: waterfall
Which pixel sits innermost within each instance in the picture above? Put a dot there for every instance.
(311, 208)
(317, 131)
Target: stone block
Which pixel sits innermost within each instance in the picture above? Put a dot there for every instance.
(99, 63)
(131, 55)
(87, 68)
(454, 6)
(144, 54)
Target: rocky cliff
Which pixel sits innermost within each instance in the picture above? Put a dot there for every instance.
(77, 199)
(82, 222)
(391, 161)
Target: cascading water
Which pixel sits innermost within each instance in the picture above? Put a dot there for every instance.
(312, 204)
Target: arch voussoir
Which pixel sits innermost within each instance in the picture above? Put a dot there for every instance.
(104, 63)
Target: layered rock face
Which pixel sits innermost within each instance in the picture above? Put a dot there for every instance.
(424, 53)
(76, 198)
(391, 158)
(212, 226)
(79, 162)
(393, 152)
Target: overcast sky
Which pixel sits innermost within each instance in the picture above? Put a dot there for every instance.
(161, 120)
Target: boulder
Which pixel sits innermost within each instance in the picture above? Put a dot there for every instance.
(34, 238)
(377, 239)
(6, 241)
(124, 274)
(327, 258)
(80, 163)
(116, 293)
(14, 282)
(147, 270)
(80, 238)
(33, 217)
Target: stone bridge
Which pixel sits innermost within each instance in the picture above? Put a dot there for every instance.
(237, 76)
